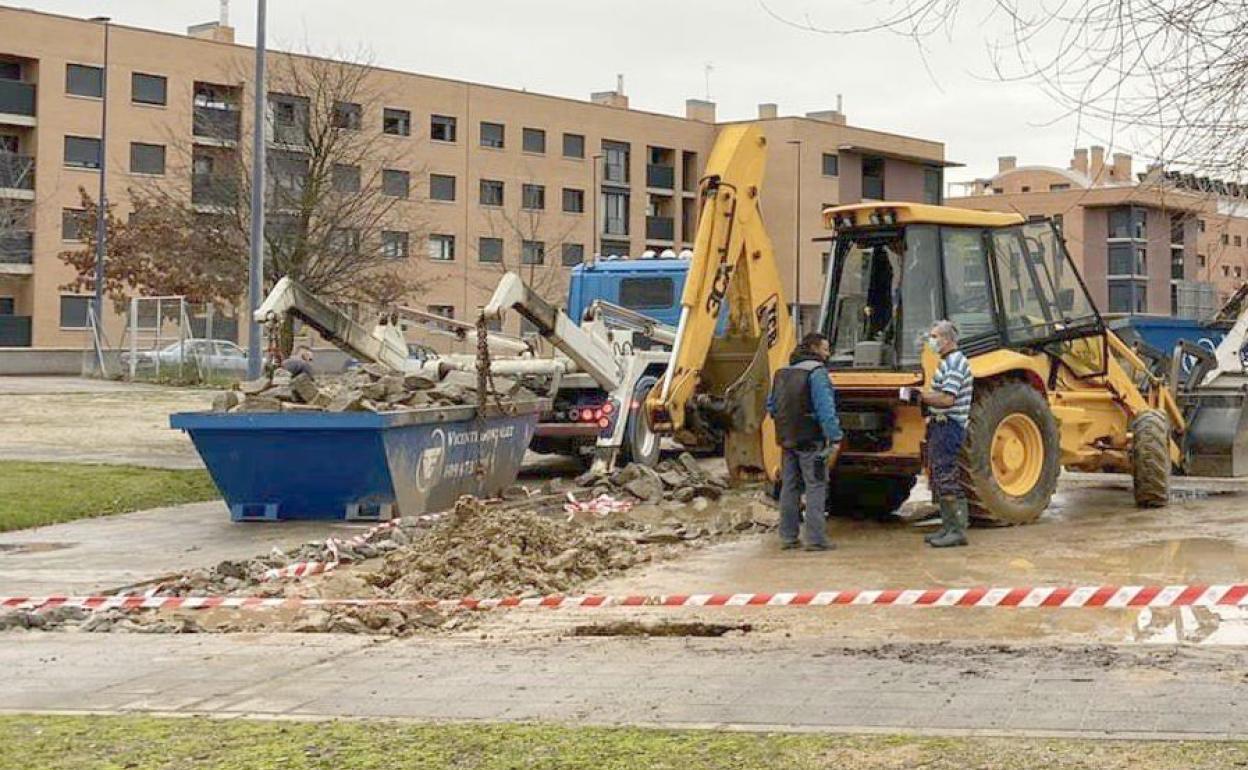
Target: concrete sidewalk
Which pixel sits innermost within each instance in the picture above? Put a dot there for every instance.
(813, 685)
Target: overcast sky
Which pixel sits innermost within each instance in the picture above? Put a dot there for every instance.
(662, 47)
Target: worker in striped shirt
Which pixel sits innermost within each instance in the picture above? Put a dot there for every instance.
(948, 408)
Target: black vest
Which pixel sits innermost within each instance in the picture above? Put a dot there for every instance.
(797, 426)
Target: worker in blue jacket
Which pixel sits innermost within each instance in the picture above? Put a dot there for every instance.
(803, 405)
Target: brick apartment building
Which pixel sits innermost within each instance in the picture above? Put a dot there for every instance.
(484, 152)
(1155, 242)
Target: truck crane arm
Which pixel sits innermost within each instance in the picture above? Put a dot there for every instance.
(733, 265)
(384, 345)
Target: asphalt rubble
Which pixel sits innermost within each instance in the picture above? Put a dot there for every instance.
(526, 543)
(368, 388)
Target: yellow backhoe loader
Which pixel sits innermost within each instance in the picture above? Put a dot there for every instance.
(1054, 388)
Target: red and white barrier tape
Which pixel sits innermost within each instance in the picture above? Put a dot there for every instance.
(308, 568)
(1113, 597)
(599, 506)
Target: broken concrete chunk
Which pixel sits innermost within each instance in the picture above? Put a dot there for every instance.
(225, 401)
(418, 382)
(304, 388)
(346, 401)
(374, 391)
(280, 392)
(376, 371)
(259, 404)
(393, 384)
(690, 464)
(282, 376)
(253, 387)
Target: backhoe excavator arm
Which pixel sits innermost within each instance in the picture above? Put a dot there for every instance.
(733, 266)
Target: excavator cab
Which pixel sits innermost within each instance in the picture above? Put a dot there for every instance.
(1053, 388)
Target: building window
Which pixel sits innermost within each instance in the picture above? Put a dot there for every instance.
(616, 248)
(148, 89)
(534, 140)
(8, 306)
(1226, 239)
(147, 158)
(1200, 223)
(442, 128)
(75, 310)
(1226, 271)
(1025, 189)
(490, 250)
(347, 115)
(573, 200)
(396, 122)
(492, 192)
(573, 254)
(615, 161)
(1128, 259)
(573, 146)
(446, 311)
(493, 135)
(644, 293)
(395, 183)
(1058, 222)
(998, 191)
(1059, 186)
(394, 244)
(933, 184)
(441, 187)
(72, 224)
(1239, 241)
(82, 152)
(344, 241)
(346, 179)
(84, 80)
(1128, 222)
(533, 197)
(831, 164)
(873, 178)
(10, 70)
(1239, 272)
(533, 252)
(442, 248)
(1202, 260)
(1128, 296)
(615, 214)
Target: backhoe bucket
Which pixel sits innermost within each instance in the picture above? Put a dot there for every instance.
(1217, 431)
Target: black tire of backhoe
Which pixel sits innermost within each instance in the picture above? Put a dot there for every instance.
(994, 400)
(867, 497)
(1150, 459)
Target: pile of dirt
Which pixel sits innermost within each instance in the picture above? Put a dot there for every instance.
(370, 388)
(681, 480)
(481, 551)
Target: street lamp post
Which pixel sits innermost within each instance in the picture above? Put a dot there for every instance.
(101, 219)
(255, 265)
(593, 191)
(797, 241)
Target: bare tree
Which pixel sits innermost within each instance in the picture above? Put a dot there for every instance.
(336, 220)
(16, 215)
(1170, 74)
(532, 247)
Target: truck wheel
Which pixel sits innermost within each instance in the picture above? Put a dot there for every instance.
(1010, 458)
(641, 444)
(867, 497)
(1150, 458)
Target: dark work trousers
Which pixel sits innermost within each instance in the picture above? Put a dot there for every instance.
(944, 444)
(804, 469)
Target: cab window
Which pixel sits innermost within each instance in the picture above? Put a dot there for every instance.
(647, 293)
(967, 298)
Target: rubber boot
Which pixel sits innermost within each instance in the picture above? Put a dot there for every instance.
(960, 519)
(947, 514)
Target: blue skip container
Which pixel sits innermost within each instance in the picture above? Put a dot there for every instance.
(359, 465)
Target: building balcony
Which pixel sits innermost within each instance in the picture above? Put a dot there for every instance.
(660, 177)
(17, 176)
(14, 331)
(17, 250)
(660, 228)
(214, 191)
(213, 125)
(17, 103)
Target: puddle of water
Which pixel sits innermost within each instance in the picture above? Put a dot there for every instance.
(17, 548)
(1192, 625)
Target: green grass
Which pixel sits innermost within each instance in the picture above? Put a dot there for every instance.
(34, 494)
(65, 742)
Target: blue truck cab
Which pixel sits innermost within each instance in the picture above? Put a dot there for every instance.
(652, 287)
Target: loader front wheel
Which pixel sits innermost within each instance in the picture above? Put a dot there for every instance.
(641, 444)
(867, 497)
(1010, 459)
(1150, 458)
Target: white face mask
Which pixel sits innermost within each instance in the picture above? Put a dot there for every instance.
(933, 345)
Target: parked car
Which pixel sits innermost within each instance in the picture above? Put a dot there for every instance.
(214, 355)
